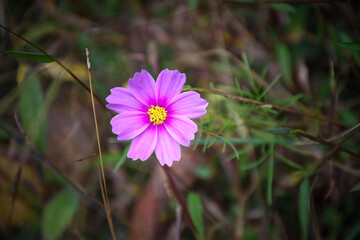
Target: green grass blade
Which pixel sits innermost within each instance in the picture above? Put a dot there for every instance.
(249, 73)
(196, 213)
(269, 87)
(284, 57)
(349, 45)
(270, 175)
(355, 188)
(288, 161)
(32, 56)
(255, 164)
(304, 206)
(122, 158)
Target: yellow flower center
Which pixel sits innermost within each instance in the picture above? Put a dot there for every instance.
(157, 114)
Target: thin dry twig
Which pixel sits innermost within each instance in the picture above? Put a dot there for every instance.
(83, 158)
(101, 172)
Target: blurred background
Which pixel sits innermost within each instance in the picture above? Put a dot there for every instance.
(239, 180)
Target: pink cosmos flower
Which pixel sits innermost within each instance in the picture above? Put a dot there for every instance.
(156, 115)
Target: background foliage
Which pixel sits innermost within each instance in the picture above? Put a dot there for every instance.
(254, 171)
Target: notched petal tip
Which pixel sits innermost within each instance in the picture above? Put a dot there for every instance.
(134, 157)
(169, 84)
(170, 163)
(143, 145)
(167, 150)
(142, 86)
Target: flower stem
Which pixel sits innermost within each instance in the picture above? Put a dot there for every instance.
(178, 197)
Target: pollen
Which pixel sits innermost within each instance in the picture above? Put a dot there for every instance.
(157, 114)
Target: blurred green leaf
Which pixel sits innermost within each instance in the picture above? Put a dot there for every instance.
(41, 30)
(187, 87)
(349, 117)
(332, 220)
(58, 214)
(280, 131)
(354, 233)
(30, 105)
(304, 204)
(283, 7)
(355, 188)
(284, 58)
(195, 209)
(3, 135)
(122, 158)
(32, 56)
(203, 173)
(192, 4)
(350, 45)
(250, 233)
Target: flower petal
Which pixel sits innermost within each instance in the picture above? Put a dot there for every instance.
(143, 145)
(128, 125)
(121, 99)
(168, 85)
(181, 128)
(143, 88)
(188, 104)
(167, 150)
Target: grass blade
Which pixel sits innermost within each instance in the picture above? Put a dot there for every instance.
(122, 159)
(195, 209)
(304, 208)
(350, 45)
(288, 162)
(32, 56)
(270, 176)
(269, 87)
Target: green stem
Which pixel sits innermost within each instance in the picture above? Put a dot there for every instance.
(252, 101)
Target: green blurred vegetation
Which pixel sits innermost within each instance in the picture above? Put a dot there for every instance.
(254, 171)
